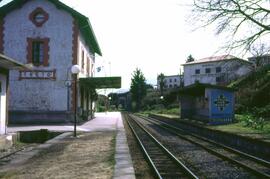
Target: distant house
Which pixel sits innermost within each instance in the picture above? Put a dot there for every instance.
(217, 70)
(53, 37)
(260, 61)
(170, 82)
(6, 64)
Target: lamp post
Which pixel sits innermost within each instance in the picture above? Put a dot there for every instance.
(75, 70)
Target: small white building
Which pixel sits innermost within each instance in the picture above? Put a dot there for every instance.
(170, 82)
(53, 37)
(6, 64)
(217, 70)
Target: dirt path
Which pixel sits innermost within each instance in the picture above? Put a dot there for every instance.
(91, 155)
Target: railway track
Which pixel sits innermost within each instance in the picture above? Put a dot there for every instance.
(4, 158)
(163, 162)
(257, 166)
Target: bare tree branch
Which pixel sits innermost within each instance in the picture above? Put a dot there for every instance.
(236, 17)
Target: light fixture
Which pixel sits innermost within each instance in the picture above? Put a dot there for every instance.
(75, 70)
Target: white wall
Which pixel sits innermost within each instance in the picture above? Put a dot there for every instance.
(167, 82)
(39, 94)
(87, 53)
(231, 70)
(3, 106)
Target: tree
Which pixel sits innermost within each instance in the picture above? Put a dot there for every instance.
(246, 21)
(138, 88)
(161, 82)
(258, 51)
(190, 59)
(149, 86)
(114, 99)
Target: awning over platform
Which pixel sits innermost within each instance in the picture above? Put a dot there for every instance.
(100, 82)
(198, 89)
(10, 64)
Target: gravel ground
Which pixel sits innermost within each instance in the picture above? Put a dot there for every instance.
(202, 163)
(91, 155)
(140, 165)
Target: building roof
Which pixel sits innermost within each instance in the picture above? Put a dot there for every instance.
(216, 59)
(83, 21)
(198, 89)
(10, 64)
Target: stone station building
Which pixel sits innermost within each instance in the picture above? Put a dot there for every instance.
(52, 37)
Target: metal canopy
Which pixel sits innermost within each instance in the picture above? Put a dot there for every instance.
(10, 64)
(101, 82)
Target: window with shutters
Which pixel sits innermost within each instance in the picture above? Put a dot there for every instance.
(38, 52)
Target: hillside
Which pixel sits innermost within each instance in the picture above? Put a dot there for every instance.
(253, 92)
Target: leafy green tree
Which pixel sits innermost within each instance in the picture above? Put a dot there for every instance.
(161, 82)
(114, 99)
(138, 88)
(190, 59)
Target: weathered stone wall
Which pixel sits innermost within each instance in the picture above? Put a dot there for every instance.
(35, 94)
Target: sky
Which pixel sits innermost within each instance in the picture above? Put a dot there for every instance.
(152, 35)
(155, 36)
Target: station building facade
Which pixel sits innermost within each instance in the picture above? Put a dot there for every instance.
(216, 70)
(52, 37)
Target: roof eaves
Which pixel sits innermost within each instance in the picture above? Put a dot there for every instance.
(193, 63)
(88, 34)
(12, 64)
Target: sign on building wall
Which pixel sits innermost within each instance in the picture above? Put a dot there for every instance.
(221, 105)
(38, 74)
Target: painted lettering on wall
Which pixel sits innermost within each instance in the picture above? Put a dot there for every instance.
(38, 74)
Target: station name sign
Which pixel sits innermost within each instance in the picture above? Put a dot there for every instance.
(101, 82)
(38, 74)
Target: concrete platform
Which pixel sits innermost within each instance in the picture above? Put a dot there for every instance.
(6, 141)
(103, 122)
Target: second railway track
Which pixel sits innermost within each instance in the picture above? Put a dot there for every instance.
(163, 162)
(252, 164)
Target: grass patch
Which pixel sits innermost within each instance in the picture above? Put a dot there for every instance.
(112, 156)
(241, 128)
(171, 113)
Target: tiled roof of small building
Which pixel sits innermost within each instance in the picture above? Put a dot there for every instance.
(198, 89)
(215, 59)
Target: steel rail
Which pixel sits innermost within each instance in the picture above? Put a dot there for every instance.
(251, 157)
(7, 155)
(256, 172)
(179, 163)
(143, 149)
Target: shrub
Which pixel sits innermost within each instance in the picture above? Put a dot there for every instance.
(252, 121)
(263, 112)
